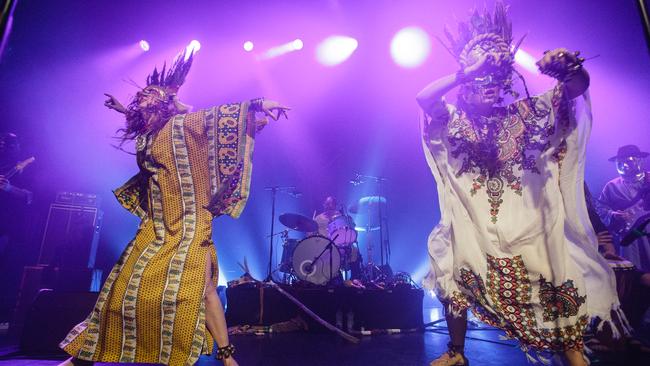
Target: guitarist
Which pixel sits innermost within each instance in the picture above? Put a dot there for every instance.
(15, 210)
(9, 150)
(624, 202)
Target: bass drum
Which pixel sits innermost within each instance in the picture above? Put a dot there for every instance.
(318, 272)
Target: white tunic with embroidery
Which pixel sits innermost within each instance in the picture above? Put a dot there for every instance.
(513, 242)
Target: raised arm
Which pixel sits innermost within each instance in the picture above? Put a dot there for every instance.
(113, 103)
(566, 67)
(432, 94)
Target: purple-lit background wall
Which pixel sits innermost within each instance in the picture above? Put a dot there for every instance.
(359, 116)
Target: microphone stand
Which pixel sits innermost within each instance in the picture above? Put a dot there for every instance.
(327, 247)
(274, 190)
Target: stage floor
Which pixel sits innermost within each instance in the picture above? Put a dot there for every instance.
(483, 348)
(316, 349)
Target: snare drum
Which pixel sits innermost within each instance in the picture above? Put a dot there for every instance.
(341, 230)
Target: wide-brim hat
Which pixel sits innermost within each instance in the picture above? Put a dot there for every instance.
(627, 151)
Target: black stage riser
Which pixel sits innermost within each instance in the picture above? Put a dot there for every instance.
(399, 308)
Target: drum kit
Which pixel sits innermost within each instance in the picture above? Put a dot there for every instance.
(316, 258)
(320, 255)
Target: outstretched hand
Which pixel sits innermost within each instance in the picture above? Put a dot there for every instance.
(559, 63)
(113, 103)
(274, 109)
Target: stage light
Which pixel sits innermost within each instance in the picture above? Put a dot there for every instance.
(292, 46)
(192, 48)
(144, 45)
(335, 50)
(248, 46)
(297, 44)
(410, 47)
(526, 60)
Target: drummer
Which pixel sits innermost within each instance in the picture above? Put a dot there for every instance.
(331, 211)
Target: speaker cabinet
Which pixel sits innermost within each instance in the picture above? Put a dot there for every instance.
(71, 236)
(51, 316)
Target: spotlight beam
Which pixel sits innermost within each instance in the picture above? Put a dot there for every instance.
(335, 50)
(280, 50)
(527, 61)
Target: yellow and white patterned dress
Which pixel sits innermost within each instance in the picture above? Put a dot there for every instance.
(151, 308)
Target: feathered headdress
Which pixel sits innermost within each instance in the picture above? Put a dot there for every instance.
(172, 79)
(483, 32)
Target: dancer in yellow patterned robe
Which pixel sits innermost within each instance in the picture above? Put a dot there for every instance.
(159, 303)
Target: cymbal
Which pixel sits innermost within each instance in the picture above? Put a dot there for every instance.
(367, 203)
(298, 222)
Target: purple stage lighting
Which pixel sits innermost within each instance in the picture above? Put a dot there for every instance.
(192, 48)
(335, 50)
(410, 47)
(144, 45)
(526, 60)
(248, 46)
(297, 44)
(292, 46)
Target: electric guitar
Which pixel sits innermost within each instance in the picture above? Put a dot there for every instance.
(637, 212)
(18, 168)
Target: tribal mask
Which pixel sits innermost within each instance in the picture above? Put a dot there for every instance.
(485, 33)
(629, 167)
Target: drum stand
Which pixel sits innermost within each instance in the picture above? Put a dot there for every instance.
(372, 271)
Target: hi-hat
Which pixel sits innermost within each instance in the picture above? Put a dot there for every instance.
(298, 222)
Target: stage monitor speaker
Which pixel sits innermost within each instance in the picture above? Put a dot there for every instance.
(39, 278)
(71, 236)
(51, 316)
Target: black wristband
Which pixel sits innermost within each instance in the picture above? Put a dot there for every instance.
(225, 352)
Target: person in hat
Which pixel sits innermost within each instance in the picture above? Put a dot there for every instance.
(625, 201)
(159, 303)
(513, 242)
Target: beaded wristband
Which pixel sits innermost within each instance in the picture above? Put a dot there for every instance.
(225, 352)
